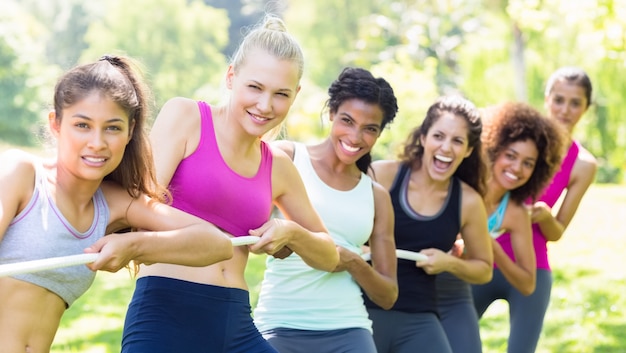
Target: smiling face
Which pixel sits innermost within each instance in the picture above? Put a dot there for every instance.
(92, 135)
(566, 102)
(515, 164)
(356, 126)
(445, 146)
(263, 90)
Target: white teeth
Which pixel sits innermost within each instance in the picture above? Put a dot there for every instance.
(95, 160)
(511, 176)
(443, 158)
(259, 118)
(349, 148)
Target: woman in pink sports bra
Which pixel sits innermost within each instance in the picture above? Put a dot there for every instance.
(217, 167)
(567, 98)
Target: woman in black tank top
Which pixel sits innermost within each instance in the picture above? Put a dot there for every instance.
(436, 188)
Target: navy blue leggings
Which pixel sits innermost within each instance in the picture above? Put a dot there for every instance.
(400, 332)
(169, 315)
(457, 314)
(351, 340)
(526, 313)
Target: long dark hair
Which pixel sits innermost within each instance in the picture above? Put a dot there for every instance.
(472, 169)
(120, 79)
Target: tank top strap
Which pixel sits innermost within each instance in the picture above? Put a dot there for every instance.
(207, 130)
(495, 219)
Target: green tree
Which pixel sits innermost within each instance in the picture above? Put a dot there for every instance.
(22, 76)
(179, 42)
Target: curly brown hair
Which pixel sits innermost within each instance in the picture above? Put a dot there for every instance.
(511, 122)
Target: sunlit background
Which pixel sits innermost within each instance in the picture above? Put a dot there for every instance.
(488, 50)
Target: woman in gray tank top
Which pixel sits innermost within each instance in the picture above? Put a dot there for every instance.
(101, 181)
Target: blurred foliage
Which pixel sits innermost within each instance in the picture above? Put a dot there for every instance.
(487, 50)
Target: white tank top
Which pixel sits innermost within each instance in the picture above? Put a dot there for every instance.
(294, 295)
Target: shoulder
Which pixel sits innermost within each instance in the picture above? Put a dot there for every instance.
(586, 160)
(286, 146)
(585, 166)
(178, 107)
(17, 164)
(181, 103)
(178, 119)
(17, 179)
(380, 193)
(115, 195)
(518, 212)
(469, 195)
(384, 172)
(282, 164)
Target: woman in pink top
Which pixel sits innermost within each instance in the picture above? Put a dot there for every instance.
(567, 98)
(218, 168)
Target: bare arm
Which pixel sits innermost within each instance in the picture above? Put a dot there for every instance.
(581, 178)
(302, 229)
(476, 266)
(520, 273)
(174, 136)
(170, 236)
(379, 282)
(17, 181)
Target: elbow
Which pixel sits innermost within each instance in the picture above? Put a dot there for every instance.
(332, 260)
(221, 250)
(528, 288)
(484, 276)
(390, 300)
(387, 301)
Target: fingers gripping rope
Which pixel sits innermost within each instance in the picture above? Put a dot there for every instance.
(401, 254)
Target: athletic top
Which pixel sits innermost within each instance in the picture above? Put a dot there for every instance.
(550, 196)
(205, 186)
(494, 223)
(294, 295)
(414, 232)
(40, 231)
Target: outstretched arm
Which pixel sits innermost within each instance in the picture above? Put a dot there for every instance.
(170, 235)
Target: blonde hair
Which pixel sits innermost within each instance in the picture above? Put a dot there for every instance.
(271, 36)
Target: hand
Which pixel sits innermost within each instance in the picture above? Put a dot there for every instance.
(346, 258)
(436, 262)
(274, 238)
(114, 252)
(458, 248)
(540, 211)
(283, 253)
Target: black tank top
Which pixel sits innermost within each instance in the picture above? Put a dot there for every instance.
(417, 292)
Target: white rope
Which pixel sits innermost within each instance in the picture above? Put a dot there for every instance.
(18, 268)
(401, 254)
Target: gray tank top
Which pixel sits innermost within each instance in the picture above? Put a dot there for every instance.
(40, 231)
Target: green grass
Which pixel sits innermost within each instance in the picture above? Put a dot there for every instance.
(587, 311)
